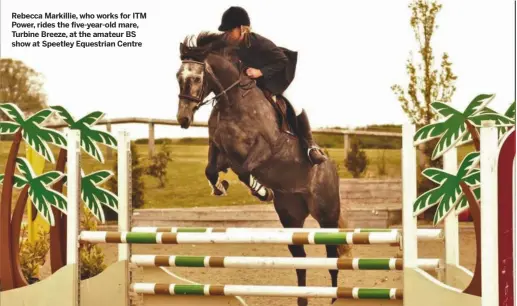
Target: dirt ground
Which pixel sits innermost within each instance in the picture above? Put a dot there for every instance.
(315, 277)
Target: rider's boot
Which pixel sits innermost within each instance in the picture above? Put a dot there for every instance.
(314, 153)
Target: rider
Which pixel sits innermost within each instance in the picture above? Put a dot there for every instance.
(273, 68)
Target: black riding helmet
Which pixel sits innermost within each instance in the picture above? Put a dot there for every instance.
(234, 17)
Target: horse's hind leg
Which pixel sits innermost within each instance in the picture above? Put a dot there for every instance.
(292, 211)
(214, 166)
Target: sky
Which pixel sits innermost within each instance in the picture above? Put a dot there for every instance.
(350, 54)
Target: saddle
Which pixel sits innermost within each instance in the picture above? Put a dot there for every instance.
(285, 113)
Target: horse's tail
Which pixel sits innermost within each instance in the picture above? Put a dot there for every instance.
(343, 249)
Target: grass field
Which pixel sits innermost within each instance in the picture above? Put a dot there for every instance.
(187, 186)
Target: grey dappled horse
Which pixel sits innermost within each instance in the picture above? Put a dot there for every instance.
(244, 135)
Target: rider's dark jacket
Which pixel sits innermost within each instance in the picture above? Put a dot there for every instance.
(277, 64)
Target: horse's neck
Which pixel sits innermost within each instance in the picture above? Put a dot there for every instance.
(240, 102)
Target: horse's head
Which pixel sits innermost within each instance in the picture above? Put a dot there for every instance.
(193, 85)
(195, 76)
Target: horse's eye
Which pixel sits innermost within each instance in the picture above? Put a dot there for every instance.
(197, 79)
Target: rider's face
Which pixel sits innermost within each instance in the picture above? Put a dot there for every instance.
(234, 35)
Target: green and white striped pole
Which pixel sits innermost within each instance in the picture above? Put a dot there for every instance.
(276, 291)
(240, 238)
(423, 234)
(279, 262)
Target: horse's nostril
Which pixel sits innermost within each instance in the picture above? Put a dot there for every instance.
(184, 122)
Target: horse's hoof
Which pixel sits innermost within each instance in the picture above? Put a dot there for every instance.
(268, 195)
(225, 184)
(220, 189)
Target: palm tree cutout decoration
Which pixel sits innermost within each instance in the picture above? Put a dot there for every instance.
(89, 139)
(94, 196)
(38, 189)
(459, 191)
(50, 203)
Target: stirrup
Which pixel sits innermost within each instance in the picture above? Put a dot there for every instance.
(314, 147)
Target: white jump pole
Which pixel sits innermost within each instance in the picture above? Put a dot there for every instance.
(73, 204)
(124, 201)
(451, 226)
(124, 191)
(409, 193)
(489, 150)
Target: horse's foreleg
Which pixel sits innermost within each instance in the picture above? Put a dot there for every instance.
(332, 252)
(292, 212)
(212, 172)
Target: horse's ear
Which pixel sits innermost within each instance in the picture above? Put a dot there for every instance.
(183, 49)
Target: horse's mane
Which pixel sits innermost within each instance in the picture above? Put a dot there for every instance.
(198, 47)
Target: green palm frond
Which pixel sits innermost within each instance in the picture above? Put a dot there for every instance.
(427, 200)
(510, 112)
(444, 110)
(13, 112)
(49, 178)
(456, 130)
(473, 179)
(25, 168)
(43, 198)
(40, 116)
(91, 148)
(94, 197)
(8, 128)
(500, 120)
(64, 114)
(445, 196)
(428, 132)
(478, 104)
(469, 163)
(89, 136)
(104, 138)
(38, 144)
(464, 140)
(91, 119)
(18, 181)
(437, 175)
(53, 137)
(447, 203)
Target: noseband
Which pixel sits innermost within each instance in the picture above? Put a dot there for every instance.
(199, 99)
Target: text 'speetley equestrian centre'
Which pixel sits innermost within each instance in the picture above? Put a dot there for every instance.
(90, 44)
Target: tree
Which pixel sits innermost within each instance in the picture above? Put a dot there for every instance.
(356, 161)
(22, 86)
(427, 84)
(159, 163)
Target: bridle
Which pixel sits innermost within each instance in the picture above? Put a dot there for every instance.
(199, 98)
